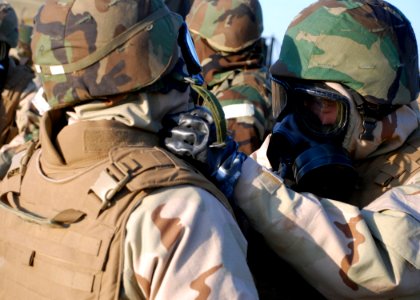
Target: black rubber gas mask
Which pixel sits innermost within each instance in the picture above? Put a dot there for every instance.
(306, 142)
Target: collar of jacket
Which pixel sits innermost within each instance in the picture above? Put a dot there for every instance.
(80, 144)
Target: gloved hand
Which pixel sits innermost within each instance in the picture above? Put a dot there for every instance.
(192, 136)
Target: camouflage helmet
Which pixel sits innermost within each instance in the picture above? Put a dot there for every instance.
(86, 50)
(8, 24)
(228, 25)
(369, 46)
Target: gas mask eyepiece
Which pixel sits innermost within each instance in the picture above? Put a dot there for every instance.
(306, 143)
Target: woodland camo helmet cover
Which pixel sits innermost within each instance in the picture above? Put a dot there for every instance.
(368, 46)
(8, 24)
(86, 50)
(227, 25)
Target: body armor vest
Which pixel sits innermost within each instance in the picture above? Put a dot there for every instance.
(67, 242)
(384, 172)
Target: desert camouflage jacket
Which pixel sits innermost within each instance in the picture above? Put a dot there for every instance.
(345, 252)
(180, 242)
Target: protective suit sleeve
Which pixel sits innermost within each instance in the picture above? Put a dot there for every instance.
(344, 252)
(182, 243)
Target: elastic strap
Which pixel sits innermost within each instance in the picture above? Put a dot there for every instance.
(211, 102)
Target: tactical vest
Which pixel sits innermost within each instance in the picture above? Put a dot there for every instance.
(384, 172)
(68, 242)
(16, 84)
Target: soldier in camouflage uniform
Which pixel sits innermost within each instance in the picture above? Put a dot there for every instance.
(335, 189)
(19, 118)
(227, 35)
(98, 210)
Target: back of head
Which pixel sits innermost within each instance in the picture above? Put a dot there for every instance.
(8, 25)
(367, 45)
(229, 25)
(85, 51)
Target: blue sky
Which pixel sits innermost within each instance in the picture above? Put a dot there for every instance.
(279, 13)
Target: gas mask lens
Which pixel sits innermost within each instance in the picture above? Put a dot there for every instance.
(319, 110)
(306, 143)
(279, 96)
(322, 112)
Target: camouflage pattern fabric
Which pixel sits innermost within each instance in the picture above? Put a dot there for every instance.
(239, 81)
(23, 49)
(227, 25)
(180, 243)
(237, 77)
(335, 246)
(368, 247)
(313, 49)
(102, 57)
(245, 98)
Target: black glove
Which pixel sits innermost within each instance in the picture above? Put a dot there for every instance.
(192, 135)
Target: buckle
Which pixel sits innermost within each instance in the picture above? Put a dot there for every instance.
(111, 181)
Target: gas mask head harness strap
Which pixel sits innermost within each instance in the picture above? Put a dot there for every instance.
(370, 114)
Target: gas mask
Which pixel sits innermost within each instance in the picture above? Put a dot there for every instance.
(306, 142)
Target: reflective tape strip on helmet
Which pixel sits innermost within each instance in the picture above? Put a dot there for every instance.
(85, 62)
(239, 110)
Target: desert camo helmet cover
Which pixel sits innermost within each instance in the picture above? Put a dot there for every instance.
(86, 50)
(368, 46)
(227, 25)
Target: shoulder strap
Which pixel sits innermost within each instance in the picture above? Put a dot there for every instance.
(146, 169)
